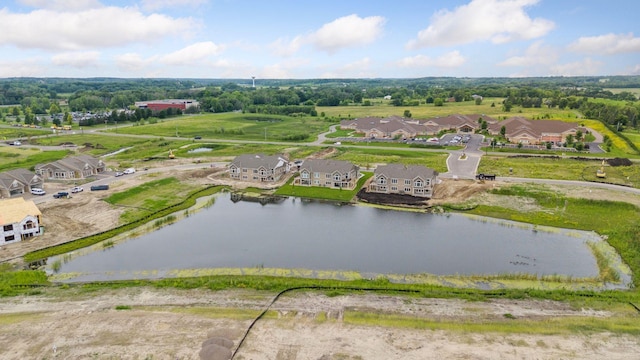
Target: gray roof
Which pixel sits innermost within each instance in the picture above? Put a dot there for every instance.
(74, 163)
(327, 166)
(23, 176)
(254, 161)
(402, 171)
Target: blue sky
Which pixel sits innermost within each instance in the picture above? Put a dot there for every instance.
(318, 39)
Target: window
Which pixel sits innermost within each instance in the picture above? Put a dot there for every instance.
(316, 182)
(304, 175)
(394, 188)
(8, 227)
(382, 181)
(316, 174)
(244, 170)
(407, 189)
(255, 171)
(10, 238)
(394, 181)
(336, 177)
(328, 176)
(427, 182)
(244, 177)
(407, 182)
(418, 183)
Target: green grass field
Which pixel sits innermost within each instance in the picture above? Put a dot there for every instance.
(149, 197)
(383, 108)
(237, 126)
(27, 158)
(370, 157)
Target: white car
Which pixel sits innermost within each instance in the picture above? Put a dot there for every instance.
(37, 191)
(130, 171)
(118, 173)
(77, 189)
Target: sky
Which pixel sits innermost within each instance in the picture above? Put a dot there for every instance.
(304, 39)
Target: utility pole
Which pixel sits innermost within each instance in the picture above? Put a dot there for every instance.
(265, 134)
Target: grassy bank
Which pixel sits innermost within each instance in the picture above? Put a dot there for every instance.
(314, 192)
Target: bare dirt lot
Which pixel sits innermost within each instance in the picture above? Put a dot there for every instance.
(174, 324)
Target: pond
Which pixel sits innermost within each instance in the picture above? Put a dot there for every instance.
(296, 234)
(200, 150)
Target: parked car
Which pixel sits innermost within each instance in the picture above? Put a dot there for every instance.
(15, 143)
(99, 187)
(130, 171)
(37, 191)
(61, 194)
(197, 137)
(119, 173)
(76, 189)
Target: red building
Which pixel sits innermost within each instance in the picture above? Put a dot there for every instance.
(159, 105)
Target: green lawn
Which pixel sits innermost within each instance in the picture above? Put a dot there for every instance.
(237, 126)
(314, 192)
(27, 158)
(560, 169)
(150, 197)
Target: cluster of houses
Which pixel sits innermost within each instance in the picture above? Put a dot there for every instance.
(21, 219)
(414, 180)
(517, 129)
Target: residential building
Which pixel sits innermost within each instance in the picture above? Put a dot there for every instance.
(19, 220)
(414, 180)
(521, 130)
(399, 127)
(17, 182)
(71, 168)
(258, 167)
(337, 174)
(159, 105)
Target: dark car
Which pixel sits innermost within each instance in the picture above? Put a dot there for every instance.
(197, 137)
(99, 187)
(61, 194)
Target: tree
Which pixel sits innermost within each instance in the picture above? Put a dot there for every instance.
(478, 100)
(54, 109)
(438, 102)
(15, 111)
(503, 130)
(579, 135)
(67, 118)
(407, 113)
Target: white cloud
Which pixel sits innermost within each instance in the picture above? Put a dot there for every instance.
(609, 44)
(77, 59)
(87, 29)
(67, 5)
(345, 32)
(635, 70)
(284, 47)
(133, 62)
(449, 60)
(22, 68)
(153, 5)
(536, 54)
(191, 54)
(578, 68)
(499, 21)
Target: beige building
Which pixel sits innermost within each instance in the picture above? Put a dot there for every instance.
(335, 174)
(414, 180)
(400, 127)
(19, 220)
(258, 167)
(521, 130)
(17, 182)
(75, 167)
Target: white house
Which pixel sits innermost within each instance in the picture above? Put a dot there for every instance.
(19, 220)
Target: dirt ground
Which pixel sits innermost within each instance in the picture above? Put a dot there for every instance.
(174, 324)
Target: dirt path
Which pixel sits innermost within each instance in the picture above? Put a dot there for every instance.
(174, 324)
